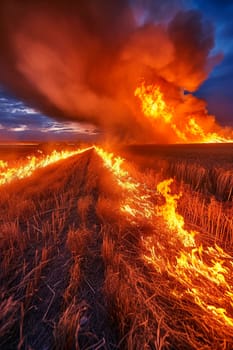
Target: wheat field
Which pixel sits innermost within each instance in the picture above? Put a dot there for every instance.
(83, 266)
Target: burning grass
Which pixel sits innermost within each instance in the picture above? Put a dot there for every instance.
(110, 257)
(34, 264)
(170, 273)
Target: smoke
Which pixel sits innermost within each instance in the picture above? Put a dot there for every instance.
(81, 61)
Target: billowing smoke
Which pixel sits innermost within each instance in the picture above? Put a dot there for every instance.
(82, 60)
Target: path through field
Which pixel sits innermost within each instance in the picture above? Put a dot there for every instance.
(48, 223)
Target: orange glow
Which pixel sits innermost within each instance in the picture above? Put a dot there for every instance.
(155, 107)
(169, 211)
(209, 137)
(3, 164)
(8, 173)
(204, 274)
(135, 203)
(153, 104)
(114, 164)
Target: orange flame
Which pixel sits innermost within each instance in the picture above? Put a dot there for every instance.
(154, 107)
(209, 137)
(153, 104)
(174, 220)
(8, 173)
(3, 164)
(205, 274)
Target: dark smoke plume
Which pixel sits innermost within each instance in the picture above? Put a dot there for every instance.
(82, 60)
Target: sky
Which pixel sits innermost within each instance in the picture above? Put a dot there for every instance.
(21, 121)
(218, 89)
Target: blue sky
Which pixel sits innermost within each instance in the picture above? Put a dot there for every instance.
(21, 122)
(218, 89)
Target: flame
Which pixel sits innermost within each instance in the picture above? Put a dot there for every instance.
(136, 203)
(153, 104)
(155, 108)
(201, 273)
(8, 173)
(208, 137)
(169, 211)
(204, 274)
(3, 164)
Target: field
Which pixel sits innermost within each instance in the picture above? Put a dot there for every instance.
(102, 253)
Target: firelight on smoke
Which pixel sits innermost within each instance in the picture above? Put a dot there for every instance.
(155, 107)
(87, 69)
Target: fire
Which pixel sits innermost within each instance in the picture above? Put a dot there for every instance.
(136, 203)
(153, 104)
(114, 164)
(208, 137)
(202, 275)
(205, 274)
(169, 212)
(3, 164)
(155, 108)
(8, 173)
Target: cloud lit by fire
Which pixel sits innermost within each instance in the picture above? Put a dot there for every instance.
(82, 62)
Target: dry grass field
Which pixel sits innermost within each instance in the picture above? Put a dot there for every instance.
(98, 253)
